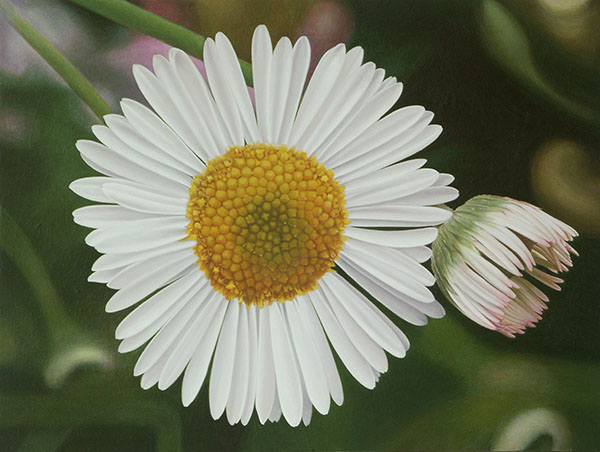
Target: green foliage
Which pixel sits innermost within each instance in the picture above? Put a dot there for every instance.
(459, 384)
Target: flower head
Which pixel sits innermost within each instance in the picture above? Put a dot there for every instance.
(229, 222)
(491, 256)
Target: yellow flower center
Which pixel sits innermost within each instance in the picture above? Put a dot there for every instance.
(268, 222)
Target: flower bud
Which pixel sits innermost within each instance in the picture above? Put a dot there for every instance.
(492, 255)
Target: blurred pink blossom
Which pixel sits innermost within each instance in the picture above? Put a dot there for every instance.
(326, 24)
(141, 49)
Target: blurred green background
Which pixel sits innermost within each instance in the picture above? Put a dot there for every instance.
(516, 86)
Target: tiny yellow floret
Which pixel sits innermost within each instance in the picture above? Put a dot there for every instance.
(268, 222)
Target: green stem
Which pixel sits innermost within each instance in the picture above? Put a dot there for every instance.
(18, 248)
(57, 60)
(132, 16)
(70, 347)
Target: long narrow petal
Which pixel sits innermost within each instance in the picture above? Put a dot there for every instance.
(286, 372)
(309, 359)
(195, 372)
(356, 364)
(221, 373)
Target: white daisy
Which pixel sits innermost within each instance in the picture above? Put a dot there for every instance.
(488, 256)
(225, 218)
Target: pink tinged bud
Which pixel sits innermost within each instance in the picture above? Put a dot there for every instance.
(493, 257)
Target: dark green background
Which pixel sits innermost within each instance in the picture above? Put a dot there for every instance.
(459, 384)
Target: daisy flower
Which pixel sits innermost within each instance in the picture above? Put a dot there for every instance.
(228, 222)
(489, 255)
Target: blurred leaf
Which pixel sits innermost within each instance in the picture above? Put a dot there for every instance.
(45, 440)
(508, 44)
(567, 182)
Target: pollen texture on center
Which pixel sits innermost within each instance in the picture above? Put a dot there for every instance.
(267, 222)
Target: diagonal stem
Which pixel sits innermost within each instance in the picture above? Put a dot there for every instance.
(70, 347)
(70, 74)
(132, 16)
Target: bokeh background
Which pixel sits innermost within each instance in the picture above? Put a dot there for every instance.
(516, 86)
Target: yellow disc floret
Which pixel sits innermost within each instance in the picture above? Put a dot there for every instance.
(268, 222)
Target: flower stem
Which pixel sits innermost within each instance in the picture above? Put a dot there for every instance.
(132, 16)
(70, 347)
(57, 60)
(15, 244)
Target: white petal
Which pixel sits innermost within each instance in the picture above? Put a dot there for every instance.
(108, 137)
(366, 346)
(387, 296)
(103, 276)
(151, 376)
(381, 179)
(388, 275)
(306, 407)
(301, 60)
(357, 307)
(231, 73)
(309, 359)
(343, 102)
(431, 196)
(219, 87)
(137, 340)
(168, 96)
(334, 100)
(405, 343)
(196, 370)
(170, 267)
(103, 216)
(170, 334)
(190, 337)
(356, 364)
(275, 414)
(419, 254)
(112, 261)
(108, 162)
(391, 154)
(157, 305)
(314, 329)
(241, 369)
(371, 109)
(319, 86)
(209, 119)
(91, 188)
(395, 239)
(397, 216)
(262, 55)
(388, 184)
(412, 183)
(132, 138)
(391, 128)
(138, 235)
(286, 372)
(222, 369)
(145, 201)
(253, 364)
(444, 179)
(395, 260)
(166, 144)
(265, 379)
(279, 85)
